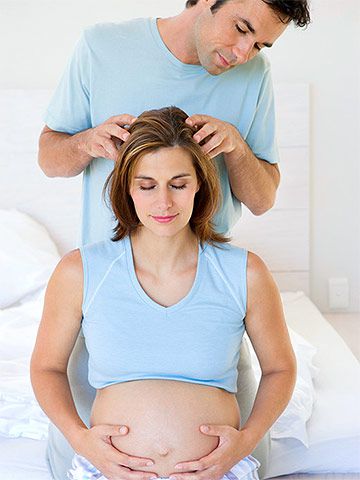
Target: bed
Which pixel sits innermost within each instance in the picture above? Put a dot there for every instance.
(318, 434)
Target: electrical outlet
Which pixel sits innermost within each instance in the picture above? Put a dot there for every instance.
(338, 293)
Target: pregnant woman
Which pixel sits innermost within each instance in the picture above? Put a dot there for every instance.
(163, 305)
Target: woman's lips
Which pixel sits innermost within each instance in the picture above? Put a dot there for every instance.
(166, 219)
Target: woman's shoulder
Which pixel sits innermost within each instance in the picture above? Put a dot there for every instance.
(224, 250)
(104, 249)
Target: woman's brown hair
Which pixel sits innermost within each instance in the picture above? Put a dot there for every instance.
(155, 129)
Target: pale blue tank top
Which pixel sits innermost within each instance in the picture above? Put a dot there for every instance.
(131, 337)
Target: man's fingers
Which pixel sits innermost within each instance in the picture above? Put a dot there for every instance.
(205, 131)
(198, 119)
(212, 143)
(116, 131)
(214, 153)
(110, 148)
(122, 120)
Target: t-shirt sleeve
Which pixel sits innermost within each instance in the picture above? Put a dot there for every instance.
(69, 108)
(261, 136)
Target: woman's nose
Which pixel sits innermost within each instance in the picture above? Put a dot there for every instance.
(164, 200)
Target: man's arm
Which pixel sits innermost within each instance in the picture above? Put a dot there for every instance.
(253, 181)
(60, 154)
(64, 155)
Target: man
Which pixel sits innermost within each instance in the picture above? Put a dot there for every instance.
(204, 60)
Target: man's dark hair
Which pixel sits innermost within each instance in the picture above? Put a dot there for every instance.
(287, 10)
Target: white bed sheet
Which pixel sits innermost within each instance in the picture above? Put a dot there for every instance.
(23, 459)
(334, 427)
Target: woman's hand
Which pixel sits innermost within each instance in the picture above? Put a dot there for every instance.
(96, 446)
(233, 446)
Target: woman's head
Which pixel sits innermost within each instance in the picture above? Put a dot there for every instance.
(162, 179)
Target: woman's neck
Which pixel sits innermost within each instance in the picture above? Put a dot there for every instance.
(164, 255)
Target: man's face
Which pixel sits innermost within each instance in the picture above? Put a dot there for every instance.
(235, 33)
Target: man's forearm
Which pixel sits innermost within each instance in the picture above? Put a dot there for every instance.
(61, 154)
(253, 181)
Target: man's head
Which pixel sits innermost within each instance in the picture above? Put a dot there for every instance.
(231, 32)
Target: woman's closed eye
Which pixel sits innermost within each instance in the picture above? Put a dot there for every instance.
(176, 187)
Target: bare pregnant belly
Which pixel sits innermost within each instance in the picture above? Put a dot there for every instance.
(163, 417)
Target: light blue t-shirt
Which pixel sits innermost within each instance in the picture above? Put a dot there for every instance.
(126, 68)
(131, 337)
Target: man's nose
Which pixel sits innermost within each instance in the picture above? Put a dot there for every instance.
(242, 51)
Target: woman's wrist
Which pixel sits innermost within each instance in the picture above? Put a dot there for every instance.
(75, 436)
(251, 437)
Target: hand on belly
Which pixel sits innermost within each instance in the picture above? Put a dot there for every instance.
(166, 447)
(164, 419)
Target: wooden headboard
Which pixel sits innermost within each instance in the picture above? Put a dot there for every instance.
(280, 237)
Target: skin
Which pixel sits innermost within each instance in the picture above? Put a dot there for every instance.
(165, 254)
(195, 36)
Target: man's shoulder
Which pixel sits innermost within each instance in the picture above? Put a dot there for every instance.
(115, 31)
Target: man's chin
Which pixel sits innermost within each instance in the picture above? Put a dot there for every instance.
(214, 70)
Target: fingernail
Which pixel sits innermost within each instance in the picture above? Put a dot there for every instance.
(172, 478)
(126, 136)
(123, 429)
(149, 463)
(178, 467)
(196, 137)
(204, 428)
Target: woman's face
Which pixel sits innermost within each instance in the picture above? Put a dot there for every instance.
(163, 190)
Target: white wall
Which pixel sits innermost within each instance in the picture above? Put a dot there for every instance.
(327, 56)
(36, 38)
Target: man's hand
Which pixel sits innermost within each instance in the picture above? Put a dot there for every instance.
(223, 137)
(233, 446)
(95, 445)
(103, 140)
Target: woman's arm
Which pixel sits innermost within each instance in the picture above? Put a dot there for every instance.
(58, 331)
(265, 325)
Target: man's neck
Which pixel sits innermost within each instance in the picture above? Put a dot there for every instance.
(178, 35)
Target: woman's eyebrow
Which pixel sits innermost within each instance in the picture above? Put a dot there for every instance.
(144, 177)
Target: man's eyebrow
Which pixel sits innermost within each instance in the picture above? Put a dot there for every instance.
(144, 177)
(252, 30)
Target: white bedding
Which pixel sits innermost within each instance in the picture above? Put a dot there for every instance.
(334, 427)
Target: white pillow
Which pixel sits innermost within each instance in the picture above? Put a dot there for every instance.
(292, 422)
(27, 256)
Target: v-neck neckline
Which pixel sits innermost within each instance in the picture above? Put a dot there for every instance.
(145, 297)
